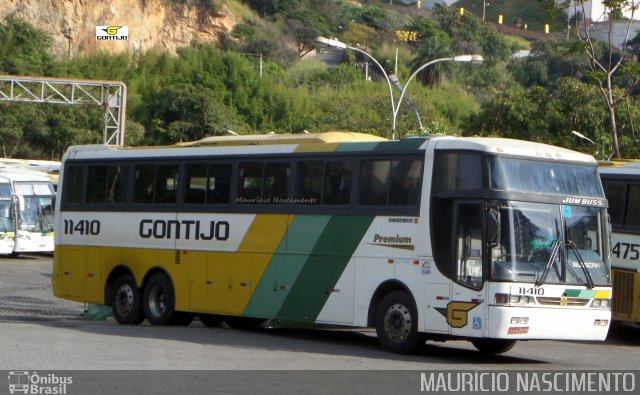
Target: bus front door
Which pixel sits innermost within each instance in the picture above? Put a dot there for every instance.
(466, 311)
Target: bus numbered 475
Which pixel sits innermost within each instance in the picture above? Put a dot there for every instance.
(621, 181)
(486, 240)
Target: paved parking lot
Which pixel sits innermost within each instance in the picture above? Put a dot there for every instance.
(25, 292)
(39, 331)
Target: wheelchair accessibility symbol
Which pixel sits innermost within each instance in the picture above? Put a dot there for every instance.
(477, 323)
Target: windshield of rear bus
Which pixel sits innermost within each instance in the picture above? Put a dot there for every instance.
(567, 239)
(36, 202)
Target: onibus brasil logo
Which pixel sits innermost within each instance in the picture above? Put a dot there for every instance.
(33, 383)
(112, 32)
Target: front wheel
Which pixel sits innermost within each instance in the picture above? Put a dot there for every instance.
(126, 301)
(397, 323)
(159, 301)
(493, 346)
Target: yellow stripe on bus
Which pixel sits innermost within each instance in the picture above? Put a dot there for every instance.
(328, 147)
(232, 277)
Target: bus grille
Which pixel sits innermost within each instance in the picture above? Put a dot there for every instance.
(557, 301)
(623, 292)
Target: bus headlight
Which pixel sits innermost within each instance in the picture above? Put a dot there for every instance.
(513, 299)
(603, 303)
(519, 299)
(519, 320)
(21, 236)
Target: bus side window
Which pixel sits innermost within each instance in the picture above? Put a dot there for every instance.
(117, 184)
(144, 179)
(276, 182)
(374, 177)
(195, 183)
(249, 182)
(616, 194)
(73, 183)
(96, 184)
(337, 183)
(219, 182)
(310, 181)
(166, 184)
(633, 206)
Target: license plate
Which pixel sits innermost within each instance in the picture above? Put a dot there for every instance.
(518, 330)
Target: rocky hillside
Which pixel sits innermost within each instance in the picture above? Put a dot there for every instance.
(152, 23)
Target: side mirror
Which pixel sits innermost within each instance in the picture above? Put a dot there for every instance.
(493, 226)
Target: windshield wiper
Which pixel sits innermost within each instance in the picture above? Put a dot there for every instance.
(552, 258)
(582, 265)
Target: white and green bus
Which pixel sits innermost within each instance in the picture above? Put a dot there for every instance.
(621, 181)
(26, 211)
(488, 240)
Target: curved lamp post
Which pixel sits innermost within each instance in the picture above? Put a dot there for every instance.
(582, 136)
(326, 42)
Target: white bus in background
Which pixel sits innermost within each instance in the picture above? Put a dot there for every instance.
(26, 211)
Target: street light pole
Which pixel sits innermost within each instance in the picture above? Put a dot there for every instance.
(395, 109)
(582, 136)
(323, 41)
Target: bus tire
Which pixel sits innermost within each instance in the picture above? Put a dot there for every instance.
(126, 301)
(396, 322)
(159, 300)
(211, 320)
(493, 346)
(244, 322)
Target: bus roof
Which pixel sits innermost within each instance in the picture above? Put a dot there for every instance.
(620, 167)
(513, 147)
(270, 139)
(23, 174)
(328, 142)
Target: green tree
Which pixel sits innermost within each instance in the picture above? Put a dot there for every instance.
(614, 62)
(432, 48)
(24, 50)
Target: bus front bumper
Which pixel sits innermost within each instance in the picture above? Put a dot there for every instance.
(509, 322)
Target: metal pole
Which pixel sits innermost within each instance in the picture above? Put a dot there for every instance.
(424, 66)
(386, 77)
(260, 64)
(395, 69)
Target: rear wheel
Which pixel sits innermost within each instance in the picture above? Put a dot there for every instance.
(159, 301)
(493, 346)
(244, 322)
(126, 301)
(397, 323)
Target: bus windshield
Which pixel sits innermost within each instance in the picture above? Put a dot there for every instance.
(544, 177)
(550, 243)
(35, 206)
(6, 220)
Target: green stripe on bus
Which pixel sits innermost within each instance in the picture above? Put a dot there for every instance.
(324, 266)
(411, 144)
(276, 282)
(579, 293)
(364, 146)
